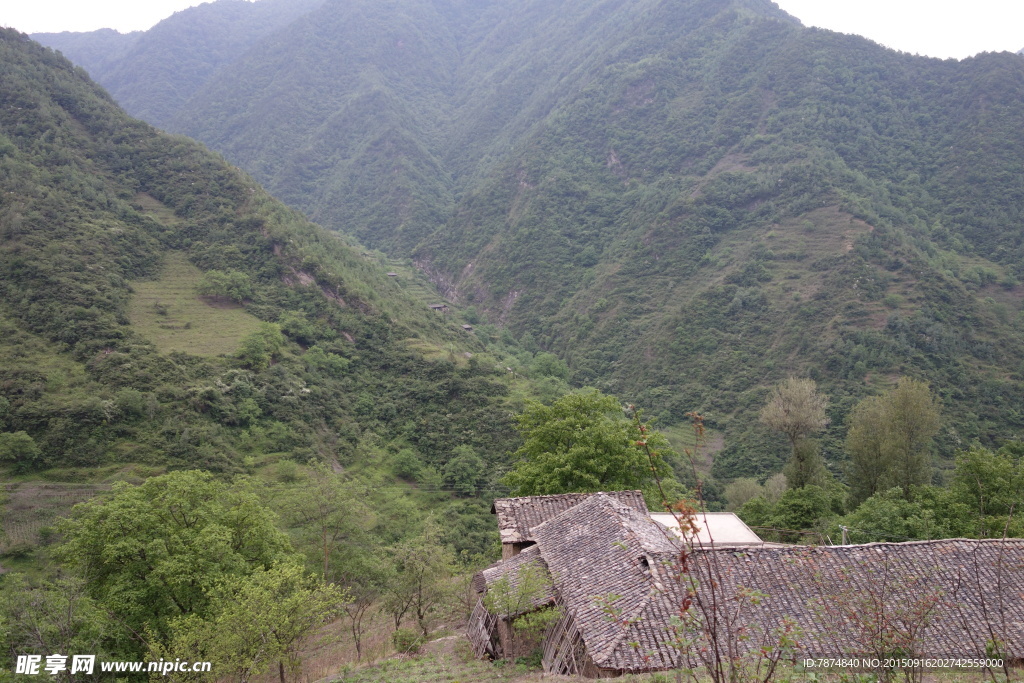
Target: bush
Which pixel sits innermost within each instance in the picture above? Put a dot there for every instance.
(407, 641)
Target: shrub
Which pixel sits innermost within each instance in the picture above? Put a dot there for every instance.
(407, 641)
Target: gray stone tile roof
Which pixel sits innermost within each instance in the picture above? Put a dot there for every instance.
(958, 593)
(518, 516)
(614, 570)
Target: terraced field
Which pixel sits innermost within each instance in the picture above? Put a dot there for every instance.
(168, 312)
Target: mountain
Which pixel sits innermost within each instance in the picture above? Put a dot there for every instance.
(160, 310)
(152, 73)
(688, 200)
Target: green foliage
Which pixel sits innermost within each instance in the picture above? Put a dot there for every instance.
(260, 347)
(739, 491)
(333, 517)
(153, 552)
(55, 617)
(890, 440)
(797, 410)
(233, 285)
(255, 622)
(464, 473)
(889, 516)
(980, 501)
(19, 450)
(407, 641)
(581, 443)
(810, 508)
(986, 490)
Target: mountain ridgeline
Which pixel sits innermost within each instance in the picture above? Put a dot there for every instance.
(687, 200)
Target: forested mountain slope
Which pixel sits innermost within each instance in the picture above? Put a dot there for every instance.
(686, 199)
(302, 348)
(152, 73)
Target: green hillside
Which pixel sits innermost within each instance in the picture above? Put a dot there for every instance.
(687, 200)
(113, 355)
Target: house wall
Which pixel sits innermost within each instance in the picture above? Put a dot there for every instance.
(510, 550)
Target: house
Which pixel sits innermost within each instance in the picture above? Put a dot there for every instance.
(621, 579)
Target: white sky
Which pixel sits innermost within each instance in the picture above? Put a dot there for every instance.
(937, 28)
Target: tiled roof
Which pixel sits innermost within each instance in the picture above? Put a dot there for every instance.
(518, 516)
(960, 593)
(612, 565)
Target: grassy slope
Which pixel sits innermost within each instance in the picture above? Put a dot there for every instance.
(168, 312)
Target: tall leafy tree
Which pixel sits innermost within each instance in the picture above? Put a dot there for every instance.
(797, 410)
(582, 443)
(152, 553)
(890, 438)
(867, 447)
(332, 517)
(257, 621)
(913, 422)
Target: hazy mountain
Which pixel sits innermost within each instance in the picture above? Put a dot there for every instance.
(152, 73)
(686, 199)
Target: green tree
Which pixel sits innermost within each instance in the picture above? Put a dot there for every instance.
(419, 584)
(151, 553)
(797, 410)
(913, 422)
(255, 621)
(867, 447)
(260, 347)
(889, 440)
(889, 516)
(740, 491)
(549, 365)
(20, 450)
(582, 443)
(987, 490)
(330, 514)
(809, 508)
(232, 285)
(464, 473)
